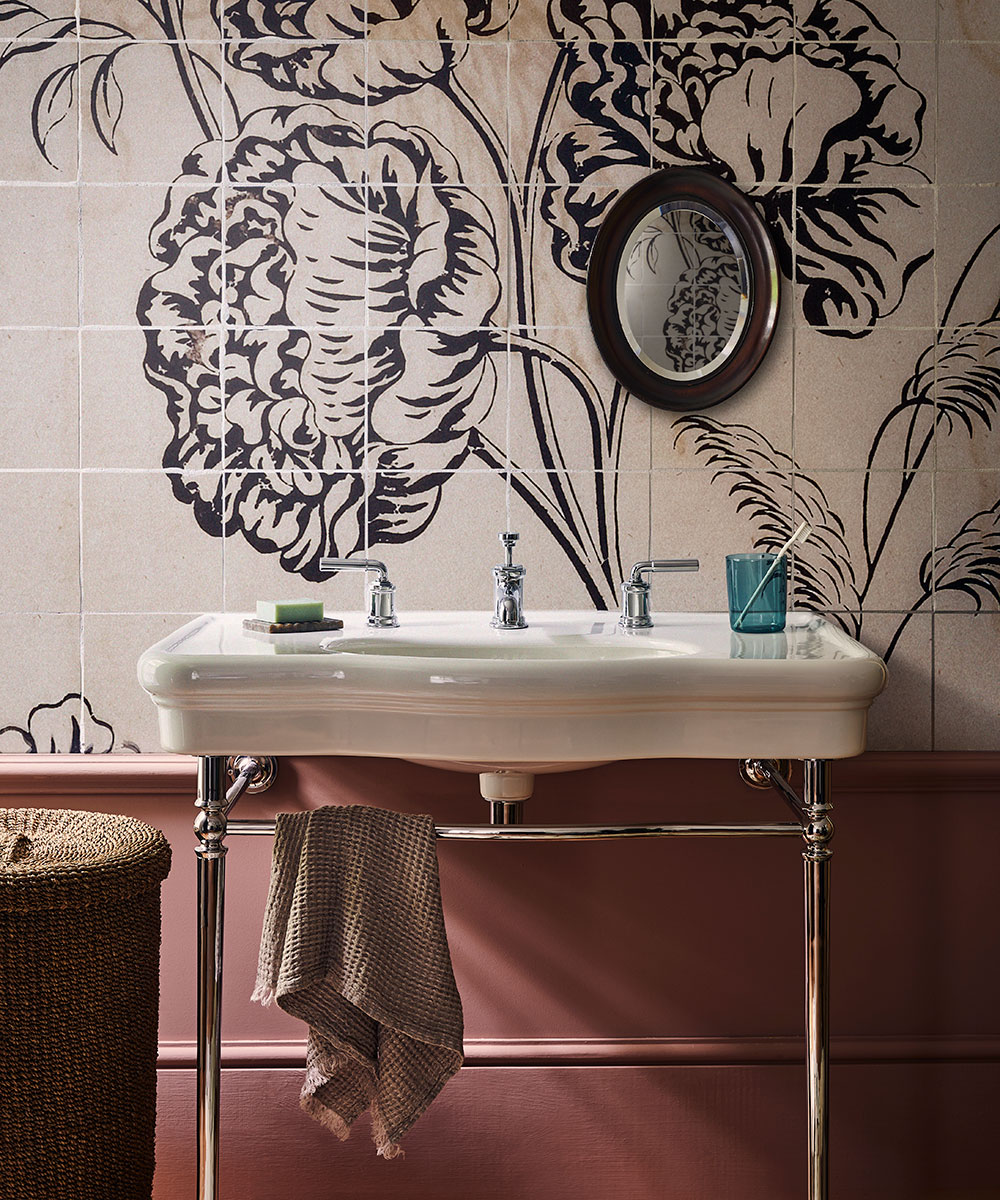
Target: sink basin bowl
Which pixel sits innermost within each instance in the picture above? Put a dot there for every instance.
(571, 690)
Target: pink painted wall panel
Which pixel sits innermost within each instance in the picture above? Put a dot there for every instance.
(899, 1132)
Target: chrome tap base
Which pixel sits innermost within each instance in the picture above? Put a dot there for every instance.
(812, 823)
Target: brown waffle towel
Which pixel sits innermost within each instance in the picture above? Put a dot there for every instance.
(354, 944)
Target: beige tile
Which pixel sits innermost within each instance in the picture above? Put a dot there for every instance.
(899, 539)
(197, 24)
(446, 565)
(447, 22)
(125, 283)
(901, 19)
(252, 575)
(966, 699)
(698, 514)
(967, 387)
(864, 257)
(125, 418)
(966, 254)
(294, 519)
(263, 77)
(295, 256)
(969, 149)
(33, 24)
(38, 256)
(39, 416)
(884, 93)
(572, 566)
(467, 123)
(40, 547)
(151, 84)
(531, 70)
(681, 19)
(966, 566)
(533, 20)
(550, 247)
(112, 645)
(845, 387)
(40, 701)
(143, 550)
(725, 104)
(760, 409)
(900, 719)
(436, 257)
(27, 68)
(969, 20)
(561, 402)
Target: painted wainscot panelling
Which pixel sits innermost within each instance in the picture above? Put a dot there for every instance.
(284, 281)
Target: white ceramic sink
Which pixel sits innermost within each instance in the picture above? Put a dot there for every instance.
(570, 690)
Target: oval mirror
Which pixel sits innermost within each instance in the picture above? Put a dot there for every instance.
(682, 289)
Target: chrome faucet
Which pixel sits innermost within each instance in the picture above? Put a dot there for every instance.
(381, 593)
(635, 589)
(508, 589)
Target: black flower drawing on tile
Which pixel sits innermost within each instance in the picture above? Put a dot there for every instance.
(365, 291)
(55, 729)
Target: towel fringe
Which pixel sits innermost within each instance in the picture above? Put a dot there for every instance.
(264, 993)
(325, 1116)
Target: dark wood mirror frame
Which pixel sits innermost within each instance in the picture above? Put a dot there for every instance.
(679, 184)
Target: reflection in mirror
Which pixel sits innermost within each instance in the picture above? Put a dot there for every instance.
(683, 290)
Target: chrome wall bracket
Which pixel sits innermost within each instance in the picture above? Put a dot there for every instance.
(262, 768)
(755, 772)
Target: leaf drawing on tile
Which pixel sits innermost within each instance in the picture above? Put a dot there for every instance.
(762, 481)
(56, 729)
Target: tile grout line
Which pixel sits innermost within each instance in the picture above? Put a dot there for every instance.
(82, 619)
(937, 324)
(224, 323)
(370, 477)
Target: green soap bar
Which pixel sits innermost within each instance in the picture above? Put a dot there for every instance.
(282, 612)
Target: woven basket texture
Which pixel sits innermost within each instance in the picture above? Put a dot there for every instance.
(79, 991)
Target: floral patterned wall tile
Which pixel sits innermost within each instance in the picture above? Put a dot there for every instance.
(965, 567)
(626, 20)
(873, 385)
(39, 148)
(40, 541)
(966, 710)
(40, 710)
(122, 719)
(968, 21)
(969, 151)
(140, 553)
(563, 398)
(846, 21)
(39, 256)
(903, 716)
(40, 409)
(123, 418)
(306, 280)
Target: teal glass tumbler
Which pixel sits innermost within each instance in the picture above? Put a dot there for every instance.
(744, 573)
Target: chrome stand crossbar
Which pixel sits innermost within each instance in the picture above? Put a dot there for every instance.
(568, 833)
(212, 826)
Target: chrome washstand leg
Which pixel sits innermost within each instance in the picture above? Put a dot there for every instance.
(817, 831)
(210, 829)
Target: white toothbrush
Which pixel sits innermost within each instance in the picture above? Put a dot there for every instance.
(800, 535)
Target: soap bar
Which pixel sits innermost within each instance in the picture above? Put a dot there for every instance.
(285, 612)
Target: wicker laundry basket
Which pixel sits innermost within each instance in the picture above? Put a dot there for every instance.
(79, 988)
